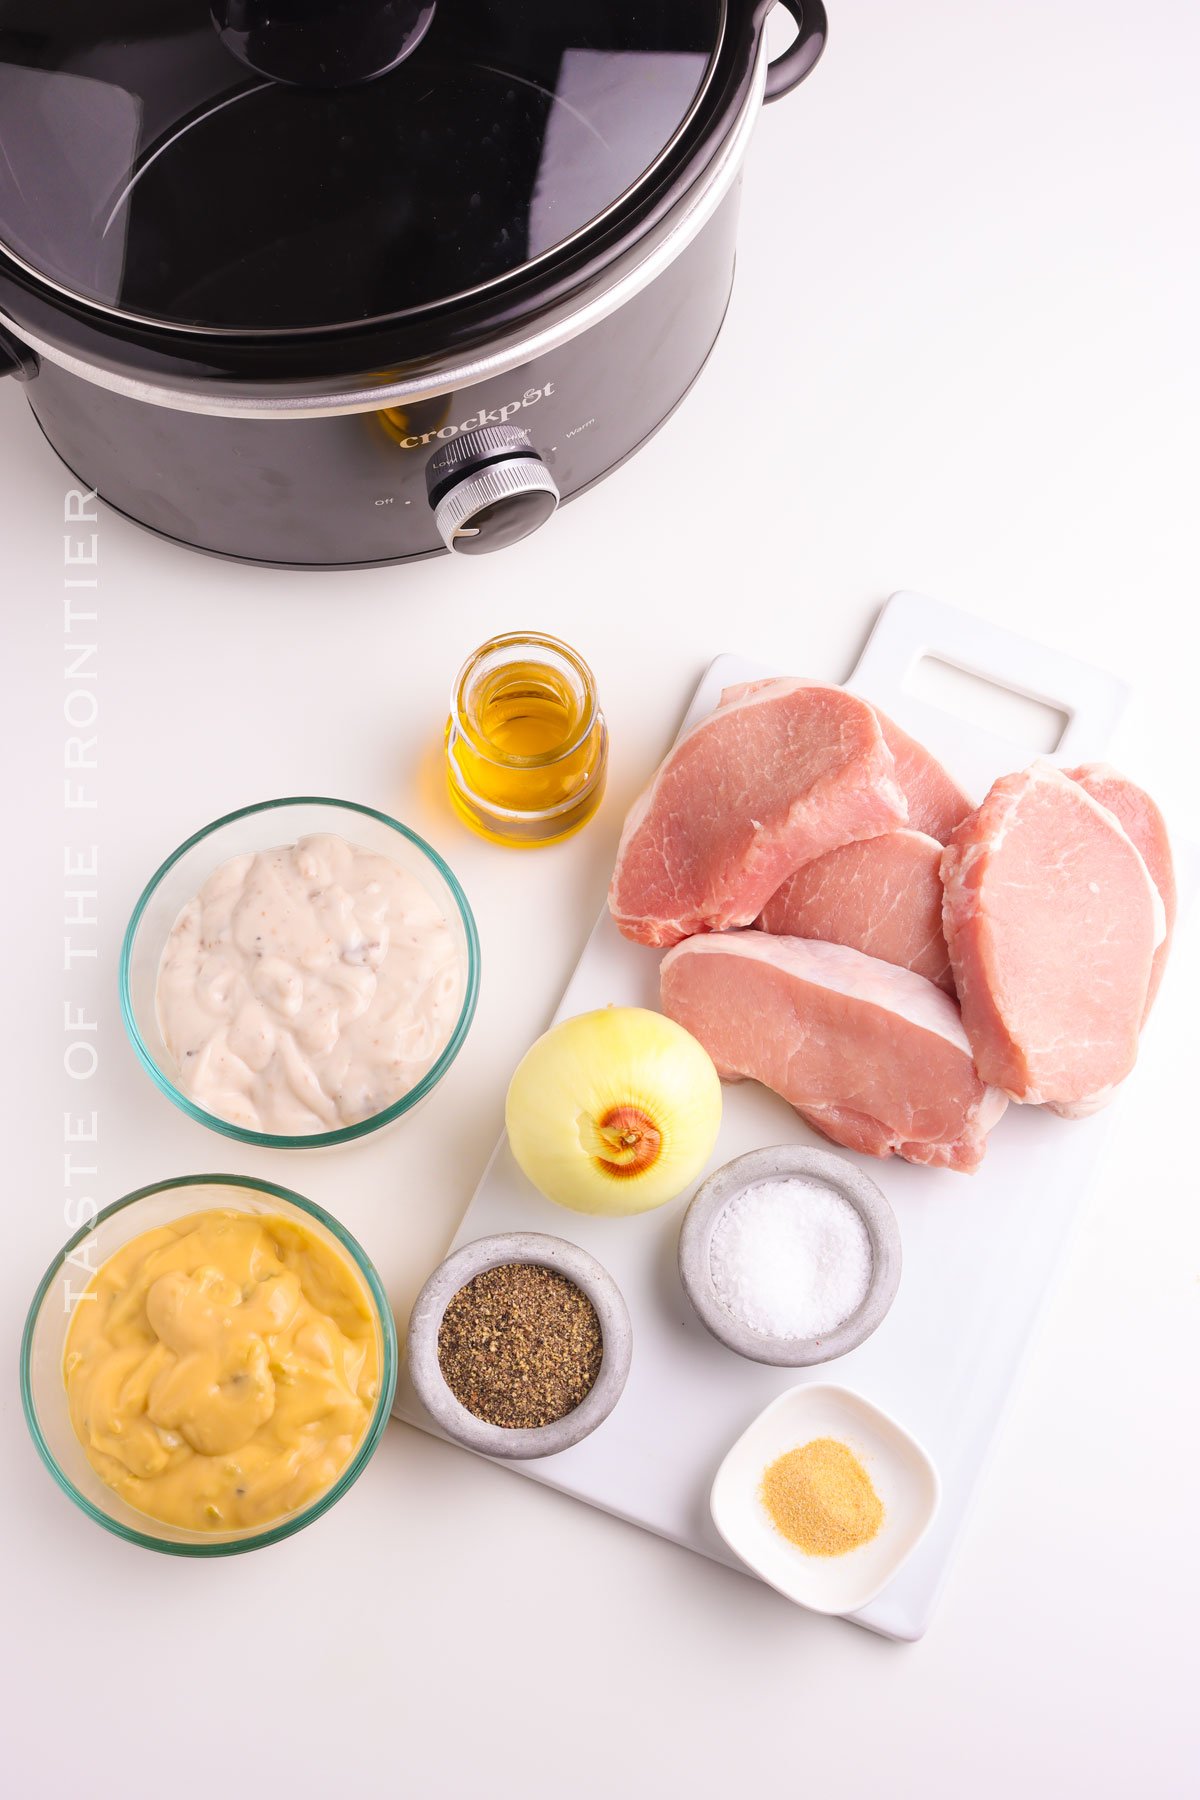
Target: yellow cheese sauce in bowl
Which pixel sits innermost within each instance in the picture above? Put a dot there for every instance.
(209, 1365)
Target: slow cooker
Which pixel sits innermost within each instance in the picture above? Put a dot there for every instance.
(343, 282)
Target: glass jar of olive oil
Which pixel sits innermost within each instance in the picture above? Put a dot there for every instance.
(526, 742)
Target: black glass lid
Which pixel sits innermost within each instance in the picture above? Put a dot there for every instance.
(149, 166)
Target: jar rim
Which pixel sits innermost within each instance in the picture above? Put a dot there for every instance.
(522, 641)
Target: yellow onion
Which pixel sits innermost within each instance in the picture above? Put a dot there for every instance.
(614, 1111)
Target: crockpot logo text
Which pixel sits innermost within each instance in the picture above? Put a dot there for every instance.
(499, 415)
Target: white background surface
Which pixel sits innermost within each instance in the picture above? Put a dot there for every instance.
(961, 357)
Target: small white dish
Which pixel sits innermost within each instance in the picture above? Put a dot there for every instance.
(902, 1474)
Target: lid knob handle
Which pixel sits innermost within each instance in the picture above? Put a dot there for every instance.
(322, 43)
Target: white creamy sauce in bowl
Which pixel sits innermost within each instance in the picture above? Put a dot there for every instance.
(307, 987)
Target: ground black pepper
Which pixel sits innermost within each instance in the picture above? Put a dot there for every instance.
(520, 1346)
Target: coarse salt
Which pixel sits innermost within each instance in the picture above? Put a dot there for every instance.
(790, 1258)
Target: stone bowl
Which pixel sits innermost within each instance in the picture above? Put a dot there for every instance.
(775, 1164)
(439, 1400)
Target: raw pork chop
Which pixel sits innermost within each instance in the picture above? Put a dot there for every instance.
(1139, 818)
(873, 1056)
(936, 803)
(882, 896)
(765, 783)
(1052, 922)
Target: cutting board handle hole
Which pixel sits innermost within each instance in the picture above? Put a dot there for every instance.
(1021, 717)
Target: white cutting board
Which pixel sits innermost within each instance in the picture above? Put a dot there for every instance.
(980, 1251)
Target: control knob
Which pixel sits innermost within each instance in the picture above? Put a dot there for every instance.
(488, 489)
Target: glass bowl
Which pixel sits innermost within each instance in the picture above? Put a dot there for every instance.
(262, 827)
(43, 1391)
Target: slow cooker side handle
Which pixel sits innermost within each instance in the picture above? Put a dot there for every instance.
(803, 53)
(15, 359)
